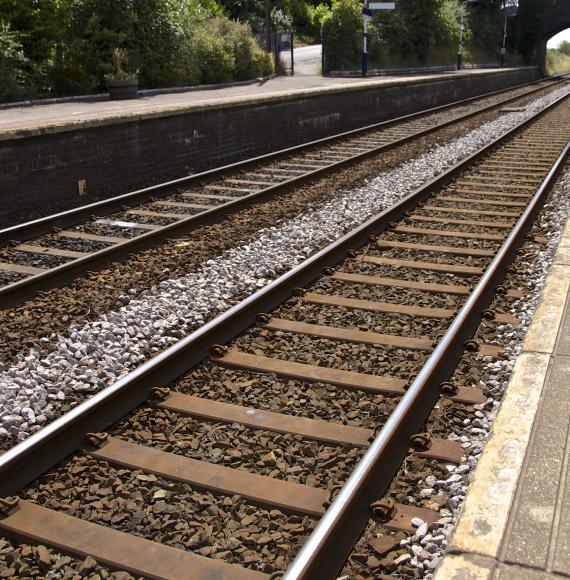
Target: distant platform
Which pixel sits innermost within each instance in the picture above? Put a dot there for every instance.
(515, 523)
(25, 121)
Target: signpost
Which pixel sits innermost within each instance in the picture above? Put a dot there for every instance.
(462, 29)
(366, 16)
(510, 8)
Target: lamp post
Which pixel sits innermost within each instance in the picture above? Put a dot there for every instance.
(462, 30)
(504, 43)
(366, 16)
(510, 9)
(460, 51)
(268, 25)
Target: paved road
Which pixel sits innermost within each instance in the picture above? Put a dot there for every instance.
(308, 60)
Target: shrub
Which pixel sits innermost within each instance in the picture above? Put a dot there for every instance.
(169, 42)
(557, 61)
(239, 43)
(15, 73)
(70, 80)
(263, 63)
(216, 64)
(342, 36)
(236, 55)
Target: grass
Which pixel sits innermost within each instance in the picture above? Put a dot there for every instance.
(557, 62)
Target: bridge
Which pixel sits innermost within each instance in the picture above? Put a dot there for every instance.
(537, 22)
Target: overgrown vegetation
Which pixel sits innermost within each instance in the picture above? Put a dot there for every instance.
(558, 59)
(303, 16)
(417, 33)
(61, 47)
(14, 66)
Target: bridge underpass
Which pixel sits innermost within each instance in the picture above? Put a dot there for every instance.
(537, 22)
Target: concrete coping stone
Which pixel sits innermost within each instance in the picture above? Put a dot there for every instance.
(243, 101)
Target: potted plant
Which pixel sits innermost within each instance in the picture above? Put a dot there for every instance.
(120, 83)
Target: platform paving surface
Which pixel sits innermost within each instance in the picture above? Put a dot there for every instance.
(515, 524)
(84, 112)
(538, 533)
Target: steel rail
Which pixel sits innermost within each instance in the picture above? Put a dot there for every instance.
(18, 292)
(329, 545)
(30, 458)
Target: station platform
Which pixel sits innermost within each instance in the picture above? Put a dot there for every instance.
(515, 523)
(40, 119)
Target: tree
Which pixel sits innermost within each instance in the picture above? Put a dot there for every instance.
(564, 48)
(251, 11)
(342, 35)
(37, 24)
(14, 66)
(421, 31)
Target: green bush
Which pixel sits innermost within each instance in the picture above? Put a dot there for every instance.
(70, 80)
(225, 51)
(216, 64)
(485, 26)
(342, 36)
(15, 76)
(69, 45)
(421, 32)
(558, 61)
(263, 63)
(240, 44)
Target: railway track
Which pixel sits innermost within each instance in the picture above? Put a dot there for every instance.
(51, 251)
(246, 441)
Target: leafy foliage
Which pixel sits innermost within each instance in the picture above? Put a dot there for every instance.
(342, 35)
(67, 46)
(411, 31)
(416, 33)
(564, 48)
(13, 66)
(486, 25)
(36, 23)
(558, 60)
(307, 17)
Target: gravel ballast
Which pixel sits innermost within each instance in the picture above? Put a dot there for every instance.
(35, 388)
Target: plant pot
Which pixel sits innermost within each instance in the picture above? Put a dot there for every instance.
(123, 89)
